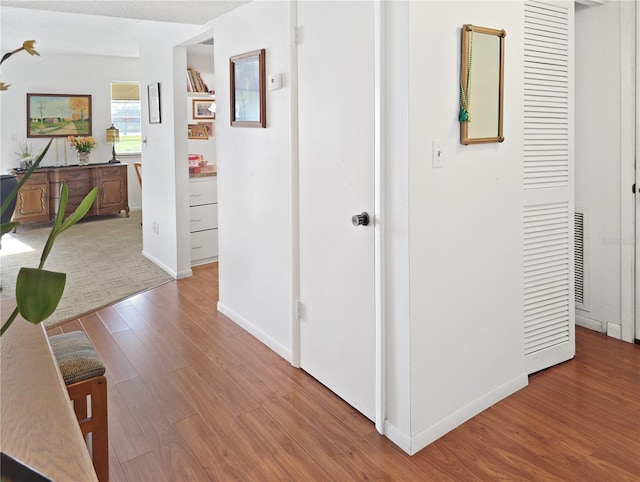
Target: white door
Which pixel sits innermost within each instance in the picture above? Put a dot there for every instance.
(548, 211)
(336, 146)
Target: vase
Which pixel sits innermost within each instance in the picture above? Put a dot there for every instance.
(83, 158)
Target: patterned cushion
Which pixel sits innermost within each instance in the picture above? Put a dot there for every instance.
(76, 357)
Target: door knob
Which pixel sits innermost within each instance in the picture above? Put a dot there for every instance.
(360, 219)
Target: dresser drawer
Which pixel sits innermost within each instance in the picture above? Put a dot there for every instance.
(112, 171)
(76, 188)
(36, 178)
(204, 244)
(203, 192)
(59, 175)
(203, 217)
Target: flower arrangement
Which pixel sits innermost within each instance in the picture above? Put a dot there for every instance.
(82, 144)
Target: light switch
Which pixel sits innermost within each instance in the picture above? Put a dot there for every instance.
(438, 155)
(274, 82)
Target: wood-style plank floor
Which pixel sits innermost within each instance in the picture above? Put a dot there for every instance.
(194, 397)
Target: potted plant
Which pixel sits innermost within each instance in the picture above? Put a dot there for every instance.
(83, 146)
(38, 291)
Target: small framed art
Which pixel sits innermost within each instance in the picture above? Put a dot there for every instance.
(204, 108)
(197, 131)
(153, 91)
(208, 127)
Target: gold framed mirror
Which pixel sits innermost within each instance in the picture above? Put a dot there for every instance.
(481, 85)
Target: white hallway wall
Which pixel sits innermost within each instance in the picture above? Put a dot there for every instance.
(465, 227)
(166, 177)
(254, 182)
(454, 328)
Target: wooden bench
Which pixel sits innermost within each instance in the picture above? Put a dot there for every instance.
(83, 374)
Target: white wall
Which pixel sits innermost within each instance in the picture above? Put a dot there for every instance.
(54, 73)
(254, 181)
(464, 227)
(165, 172)
(396, 178)
(598, 159)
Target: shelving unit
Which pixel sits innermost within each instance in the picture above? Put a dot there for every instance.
(203, 192)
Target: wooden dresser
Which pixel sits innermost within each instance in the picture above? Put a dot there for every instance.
(39, 199)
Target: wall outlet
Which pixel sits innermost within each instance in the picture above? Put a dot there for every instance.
(155, 226)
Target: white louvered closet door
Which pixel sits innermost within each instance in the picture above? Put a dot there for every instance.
(548, 212)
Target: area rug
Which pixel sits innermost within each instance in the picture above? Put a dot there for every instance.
(102, 257)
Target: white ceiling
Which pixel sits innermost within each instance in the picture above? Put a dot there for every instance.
(99, 27)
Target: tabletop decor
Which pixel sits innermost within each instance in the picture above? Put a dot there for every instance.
(83, 147)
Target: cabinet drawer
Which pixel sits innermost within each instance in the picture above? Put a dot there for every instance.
(114, 171)
(204, 244)
(36, 178)
(203, 217)
(59, 175)
(204, 192)
(76, 188)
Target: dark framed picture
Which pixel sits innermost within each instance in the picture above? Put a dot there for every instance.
(203, 109)
(153, 92)
(58, 115)
(248, 97)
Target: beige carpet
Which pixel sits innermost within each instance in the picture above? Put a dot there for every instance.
(101, 256)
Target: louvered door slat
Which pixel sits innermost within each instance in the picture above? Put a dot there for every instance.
(547, 180)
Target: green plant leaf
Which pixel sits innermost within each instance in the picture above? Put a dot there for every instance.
(81, 210)
(62, 206)
(6, 227)
(24, 179)
(59, 225)
(38, 293)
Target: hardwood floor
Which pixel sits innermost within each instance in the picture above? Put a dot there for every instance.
(194, 397)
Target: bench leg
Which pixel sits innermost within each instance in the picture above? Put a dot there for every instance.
(97, 424)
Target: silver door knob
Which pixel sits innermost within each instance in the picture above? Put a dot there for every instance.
(361, 219)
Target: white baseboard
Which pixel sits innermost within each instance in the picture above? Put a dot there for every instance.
(275, 345)
(413, 445)
(589, 323)
(200, 262)
(186, 273)
(160, 264)
(614, 330)
(397, 436)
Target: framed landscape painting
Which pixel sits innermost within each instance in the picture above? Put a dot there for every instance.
(58, 115)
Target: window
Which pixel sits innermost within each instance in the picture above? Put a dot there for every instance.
(125, 115)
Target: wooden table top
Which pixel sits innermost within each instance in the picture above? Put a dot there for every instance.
(37, 422)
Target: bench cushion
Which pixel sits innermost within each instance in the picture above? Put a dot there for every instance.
(76, 357)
